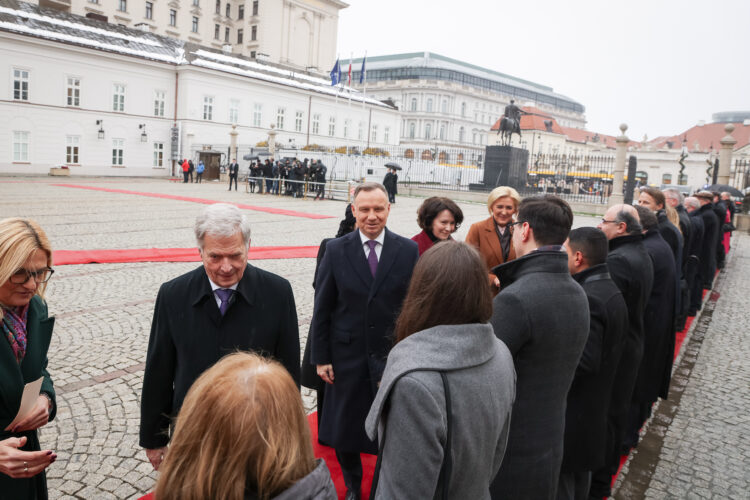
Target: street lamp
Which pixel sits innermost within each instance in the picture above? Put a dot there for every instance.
(144, 137)
(101, 128)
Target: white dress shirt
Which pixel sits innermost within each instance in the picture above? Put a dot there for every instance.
(215, 287)
(378, 248)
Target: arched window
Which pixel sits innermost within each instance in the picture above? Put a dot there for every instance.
(443, 157)
(428, 131)
(460, 159)
(413, 103)
(426, 154)
(461, 133)
(409, 153)
(429, 105)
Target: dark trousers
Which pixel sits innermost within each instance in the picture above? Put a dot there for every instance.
(185, 175)
(639, 413)
(351, 469)
(232, 177)
(321, 191)
(200, 177)
(601, 479)
(574, 485)
(696, 293)
(269, 185)
(191, 175)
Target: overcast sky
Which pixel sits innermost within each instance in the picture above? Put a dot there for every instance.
(658, 65)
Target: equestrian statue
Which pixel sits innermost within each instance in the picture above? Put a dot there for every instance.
(510, 123)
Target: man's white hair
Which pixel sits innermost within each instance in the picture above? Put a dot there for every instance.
(692, 202)
(674, 194)
(222, 220)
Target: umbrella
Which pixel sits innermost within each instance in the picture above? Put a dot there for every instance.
(393, 165)
(250, 157)
(733, 191)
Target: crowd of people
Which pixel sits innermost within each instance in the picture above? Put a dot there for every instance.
(290, 177)
(518, 364)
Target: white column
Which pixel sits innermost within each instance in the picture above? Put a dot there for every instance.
(725, 154)
(616, 197)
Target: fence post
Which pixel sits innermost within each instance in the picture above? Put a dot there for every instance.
(616, 198)
(725, 155)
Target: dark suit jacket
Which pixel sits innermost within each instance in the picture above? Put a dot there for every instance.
(189, 335)
(234, 169)
(352, 329)
(542, 315)
(590, 393)
(483, 236)
(12, 379)
(711, 226)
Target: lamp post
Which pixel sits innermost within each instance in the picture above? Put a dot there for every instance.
(100, 134)
(144, 136)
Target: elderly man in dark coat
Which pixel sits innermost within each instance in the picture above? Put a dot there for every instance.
(655, 370)
(711, 228)
(697, 230)
(675, 200)
(590, 394)
(631, 269)
(542, 315)
(214, 310)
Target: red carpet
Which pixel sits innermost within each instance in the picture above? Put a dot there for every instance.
(327, 454)
(270, 210)
(69, 257)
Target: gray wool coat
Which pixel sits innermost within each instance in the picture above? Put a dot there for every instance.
(409, 410)
(542, 315)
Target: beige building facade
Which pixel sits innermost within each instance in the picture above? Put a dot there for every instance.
(297, 33)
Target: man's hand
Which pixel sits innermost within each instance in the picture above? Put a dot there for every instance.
(37, 417)
(18, 463)
(156, 456)
(326, 373)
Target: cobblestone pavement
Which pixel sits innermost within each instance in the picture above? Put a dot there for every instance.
(104, 312)
(699, 446)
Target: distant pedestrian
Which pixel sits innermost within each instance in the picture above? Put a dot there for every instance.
(199, 170)
(390, 182)
(185, 170)
(320, 179)
(191, 169)
(442, 412)
(234, 170)
(268, 175)
(542, 315)
(439, 218)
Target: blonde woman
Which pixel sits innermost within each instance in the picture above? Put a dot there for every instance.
(25, 268)
(242, 434)
(492, 236)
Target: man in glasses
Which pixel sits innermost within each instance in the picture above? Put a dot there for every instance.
(542, 315)
(631, 269)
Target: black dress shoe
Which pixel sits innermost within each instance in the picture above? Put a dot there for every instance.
(352, 495)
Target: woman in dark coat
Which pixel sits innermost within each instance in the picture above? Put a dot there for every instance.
(25, 260)
(439, 218)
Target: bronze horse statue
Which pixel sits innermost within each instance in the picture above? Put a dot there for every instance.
(508, 127)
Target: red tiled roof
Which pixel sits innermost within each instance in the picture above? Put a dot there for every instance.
(700, 138)
(534, 121)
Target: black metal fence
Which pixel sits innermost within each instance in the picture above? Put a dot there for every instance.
(740, 174)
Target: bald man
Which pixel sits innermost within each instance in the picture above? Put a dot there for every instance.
(631, 269)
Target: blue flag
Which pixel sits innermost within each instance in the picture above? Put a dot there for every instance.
(336, 73)
(362, 72)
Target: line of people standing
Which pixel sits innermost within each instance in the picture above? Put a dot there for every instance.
(293, 177)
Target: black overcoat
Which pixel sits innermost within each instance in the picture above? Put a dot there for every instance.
(189, 335)
(655, 370)
(707, 255)
(352, 328)
(13, 377)
(590, 393)
(542, 315)
(686, 229)
(632, 271)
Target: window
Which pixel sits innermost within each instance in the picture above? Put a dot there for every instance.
(463, 109)
(172, 17)
(347, 124)
(280, 118)
(218, 6)
(71, 149)
(428, 131)
(442, 132)
(413, 103)
(239, 36)
(374, 134)
(332, 126)
(73, 97)
(298, 121)
(20, 84)
(252, 54)
(429, 105)
(474, 138)
(216, 31)
(241, 12)
(666, 179)
(208, 108)
(194, 29)
(412, 130)
(255, 8)
(386, 134)
(254, 33)
(228, 12)
(118, 97)
(122, 5)
(682, 179)
(196, 3)
(117, 149)
(360, 131)
(461, 133)
(257, 114)
(158, 154)
(445, 106)
(149, 10)
(226, 35)
(20, 145)
(316, 123)
(94, 1)
(234, 110)
(159, 101)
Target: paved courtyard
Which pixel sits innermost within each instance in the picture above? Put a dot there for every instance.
(103, 315)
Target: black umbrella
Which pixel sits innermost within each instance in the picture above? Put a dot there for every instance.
(733, 191)
(250, 157)
(393, 165)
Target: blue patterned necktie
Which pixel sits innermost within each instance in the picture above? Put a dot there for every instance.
(225, 294)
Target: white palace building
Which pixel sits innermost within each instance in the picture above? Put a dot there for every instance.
(102, 99)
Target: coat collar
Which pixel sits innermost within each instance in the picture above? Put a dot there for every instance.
(593, 273)
(441, 348)
(543, 261)
(489, 234)
(201, 291)
(624, 240)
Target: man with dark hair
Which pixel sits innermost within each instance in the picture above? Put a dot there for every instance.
(655, 371)
(361, 283)
(655, 200)
(591, 391)
(542, 315)
(234, 170)
(631, 269)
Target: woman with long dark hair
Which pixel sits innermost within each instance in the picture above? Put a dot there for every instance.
(442, 412)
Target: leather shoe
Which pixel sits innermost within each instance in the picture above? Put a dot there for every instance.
(352, 495)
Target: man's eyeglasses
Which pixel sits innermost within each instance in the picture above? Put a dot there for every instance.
(511, 224)
(23, 275)
(605, 221)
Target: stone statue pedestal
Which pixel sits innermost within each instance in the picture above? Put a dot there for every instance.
(505, 166)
